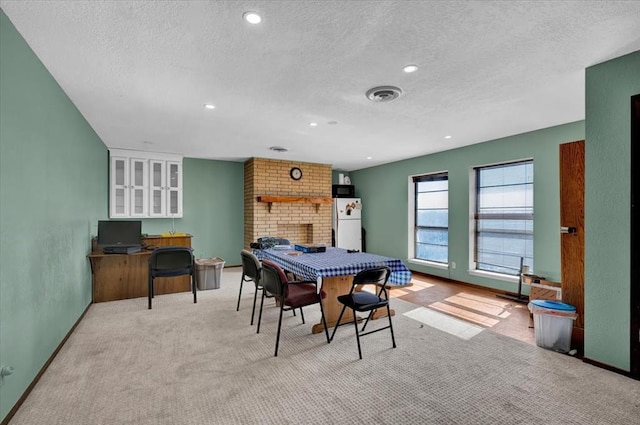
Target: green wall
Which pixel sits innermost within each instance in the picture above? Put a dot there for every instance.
(609, 87)
(53, 188)
(213, 205)
(384, 192)
(53, 191)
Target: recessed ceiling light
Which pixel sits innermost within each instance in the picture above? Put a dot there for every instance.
(410, 68)
(313, 124)
(252, 17)
(447, 137)
(209, 106)
(369, 157)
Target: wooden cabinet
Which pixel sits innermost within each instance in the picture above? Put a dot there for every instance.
(144, 184)
(122, 276)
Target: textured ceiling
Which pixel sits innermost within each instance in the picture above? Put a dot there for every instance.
(140, 72)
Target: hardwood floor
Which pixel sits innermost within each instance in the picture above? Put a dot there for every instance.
(470, 303)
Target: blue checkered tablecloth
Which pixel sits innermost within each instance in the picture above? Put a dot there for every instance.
(335, 262)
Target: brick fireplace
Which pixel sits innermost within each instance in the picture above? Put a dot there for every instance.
(277, 205)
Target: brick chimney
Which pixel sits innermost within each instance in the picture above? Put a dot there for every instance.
(298, 218)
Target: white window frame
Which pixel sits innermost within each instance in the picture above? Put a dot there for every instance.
(411, 204)
(472, 270)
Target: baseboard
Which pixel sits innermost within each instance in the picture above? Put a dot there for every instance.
(460, 282)
(609, 367)
(53, 355)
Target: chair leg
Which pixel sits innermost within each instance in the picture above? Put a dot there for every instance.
(240, 293)
(150, 291)
(324, 320)
(195, 292)
(301, 315)
(367, 321)
(337, 323)
(355, 323)
(253, 311)
(393, 338)
(260, 315)
(279, 326)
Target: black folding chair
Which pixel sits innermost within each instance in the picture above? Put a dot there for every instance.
(170, 261)
(361, 301)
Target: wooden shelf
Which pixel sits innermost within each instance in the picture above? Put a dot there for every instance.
(316, 200)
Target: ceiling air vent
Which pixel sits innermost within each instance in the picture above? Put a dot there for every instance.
(383, 93)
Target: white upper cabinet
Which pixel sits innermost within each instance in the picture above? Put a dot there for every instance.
(174, 188)
(158, 188)
(139, 187)
(119, 187)
(144, 184)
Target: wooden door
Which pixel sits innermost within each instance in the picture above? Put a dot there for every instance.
(572, 233)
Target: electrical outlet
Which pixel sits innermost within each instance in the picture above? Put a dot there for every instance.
(453, 264)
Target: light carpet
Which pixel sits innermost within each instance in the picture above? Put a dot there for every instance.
(185, 363)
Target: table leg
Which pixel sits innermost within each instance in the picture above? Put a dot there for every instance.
(334, 286)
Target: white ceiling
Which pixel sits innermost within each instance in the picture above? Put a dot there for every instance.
(140, 72)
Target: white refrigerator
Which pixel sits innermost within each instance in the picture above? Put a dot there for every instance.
(347, 226)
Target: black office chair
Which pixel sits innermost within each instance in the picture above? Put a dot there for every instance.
(366, 301)
(290, 295)
(251, 272)
(170, 261)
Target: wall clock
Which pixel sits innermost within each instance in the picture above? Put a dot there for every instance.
(295, 173)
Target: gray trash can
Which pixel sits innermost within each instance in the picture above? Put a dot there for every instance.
(209, 272)
(553, 324)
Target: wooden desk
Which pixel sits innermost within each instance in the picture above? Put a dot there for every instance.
(122, 276)
(335, 270)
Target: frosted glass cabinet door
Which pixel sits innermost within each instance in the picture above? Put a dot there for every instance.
(138, 187)
(158, 189)
(174, 189)
(119, 190)
(144, 184)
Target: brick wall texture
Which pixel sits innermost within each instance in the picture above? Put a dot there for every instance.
(298, 222)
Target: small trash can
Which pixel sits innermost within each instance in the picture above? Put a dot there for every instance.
(553, 324)
(209, 273)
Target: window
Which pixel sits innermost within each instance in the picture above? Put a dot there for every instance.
(504, 217)
(431, 220)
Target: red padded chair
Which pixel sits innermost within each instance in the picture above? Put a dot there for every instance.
(290, 294)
